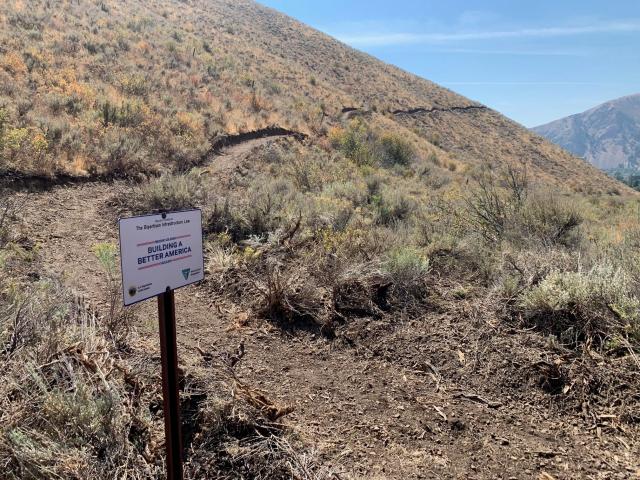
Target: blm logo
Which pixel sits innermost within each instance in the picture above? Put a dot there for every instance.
(185, 273)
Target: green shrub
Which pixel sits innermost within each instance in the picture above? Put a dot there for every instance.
(266, 208)
(584, 307)
(396, 151)
(366, 147)
(130, 114)
(262, 211)
(348, 190)
(374, 186)
(118, 321)
(122, 152)
(393, 207)
(223, 219)
(407, 267)
(355, 142)
(307, 169)
(135, 84)
(491, 207)
(520, 269)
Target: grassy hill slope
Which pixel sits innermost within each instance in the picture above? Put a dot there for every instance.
(112, 87)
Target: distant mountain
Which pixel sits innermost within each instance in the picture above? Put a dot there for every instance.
(608, 135)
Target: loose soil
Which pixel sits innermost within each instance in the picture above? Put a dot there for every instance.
(444, 396)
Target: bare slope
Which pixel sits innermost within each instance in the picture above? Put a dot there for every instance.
(607, 135)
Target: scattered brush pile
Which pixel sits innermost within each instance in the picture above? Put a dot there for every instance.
(296, 283)
(582, 296)
(242, 437)
(590, 316)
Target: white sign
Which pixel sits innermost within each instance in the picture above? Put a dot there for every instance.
(160, 251)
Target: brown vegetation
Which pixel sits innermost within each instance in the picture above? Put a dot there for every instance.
(141, 87)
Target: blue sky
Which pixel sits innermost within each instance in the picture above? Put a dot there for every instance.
(534, 61)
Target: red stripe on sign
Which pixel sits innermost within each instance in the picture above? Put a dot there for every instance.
(146, 243)
(161, 241)
(164, 263)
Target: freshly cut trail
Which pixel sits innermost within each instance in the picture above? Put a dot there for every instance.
(373, 166)
(413, 111)
(373, 403)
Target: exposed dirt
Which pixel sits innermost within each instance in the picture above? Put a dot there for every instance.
(417, 110)
(225, 141)
(438, 397)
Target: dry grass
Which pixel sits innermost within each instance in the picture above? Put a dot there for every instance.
(113, 88)
(169, 192)
(77, 394)
(68, 400)
(73, 406)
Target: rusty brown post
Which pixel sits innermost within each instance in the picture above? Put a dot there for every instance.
(170, 387)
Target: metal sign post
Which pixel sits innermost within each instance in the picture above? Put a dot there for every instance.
(159, 253)
(170, 387)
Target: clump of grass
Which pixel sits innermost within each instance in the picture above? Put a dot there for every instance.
(548, 220)
(8, 211)
(118, 321)
(170, 192)
(407, 267)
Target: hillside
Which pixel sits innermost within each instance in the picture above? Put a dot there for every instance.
(139, 86)
(399, 283)
(608, 135)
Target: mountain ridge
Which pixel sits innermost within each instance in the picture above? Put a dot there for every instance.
(606, 135)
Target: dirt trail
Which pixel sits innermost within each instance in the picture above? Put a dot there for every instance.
(414, 111)
(66, 221)
(226, 141)
(366, 414)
